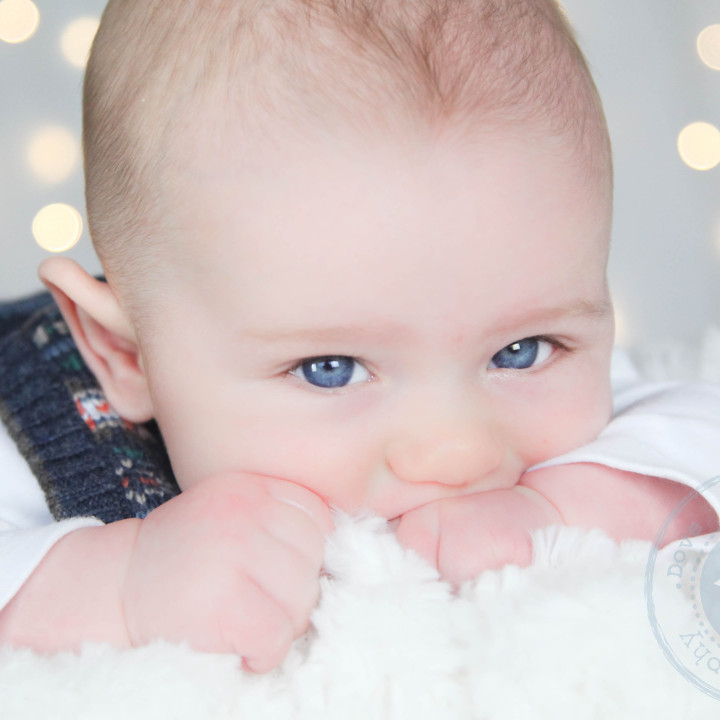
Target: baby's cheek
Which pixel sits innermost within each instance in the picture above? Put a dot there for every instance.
(568, 424)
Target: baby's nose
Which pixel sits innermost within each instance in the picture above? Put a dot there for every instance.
(455, 453)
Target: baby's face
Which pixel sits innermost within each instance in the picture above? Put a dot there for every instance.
(384, 322)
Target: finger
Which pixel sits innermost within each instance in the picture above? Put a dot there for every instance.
(300, 497)
(286, 576)
(419, 530)
(483, 532)
(495, 551)
(258, 629)
(295, 528)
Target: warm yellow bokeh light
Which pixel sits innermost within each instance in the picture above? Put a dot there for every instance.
(76, 40)
(699, 146)
(708, 46)
(57, 228)
(18, 20)
(53, 154)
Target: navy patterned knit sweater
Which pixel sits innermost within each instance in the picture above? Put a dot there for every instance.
(88, 460)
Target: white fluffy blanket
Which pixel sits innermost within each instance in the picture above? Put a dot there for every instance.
(568, 637)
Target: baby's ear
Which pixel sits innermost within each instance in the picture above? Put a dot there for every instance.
(103, 334)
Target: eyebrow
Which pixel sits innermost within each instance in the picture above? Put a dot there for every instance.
(399, 333)
(331, 333)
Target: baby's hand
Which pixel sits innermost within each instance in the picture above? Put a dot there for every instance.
(463, 536)
(230, 565)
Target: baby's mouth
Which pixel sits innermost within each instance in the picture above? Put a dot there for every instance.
(428, 493)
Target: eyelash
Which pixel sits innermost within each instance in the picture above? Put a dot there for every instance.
(293, 371)
(554, 342)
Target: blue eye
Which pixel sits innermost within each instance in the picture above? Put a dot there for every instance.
(332, 371)
(522, 354)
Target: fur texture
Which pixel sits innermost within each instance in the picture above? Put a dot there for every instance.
(568, 637)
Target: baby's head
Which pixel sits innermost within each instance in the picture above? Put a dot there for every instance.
(356, 244)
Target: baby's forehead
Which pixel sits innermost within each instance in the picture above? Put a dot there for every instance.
(296, 203)
(232, 155)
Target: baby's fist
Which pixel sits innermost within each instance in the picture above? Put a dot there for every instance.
(230, 565)
(466, 535)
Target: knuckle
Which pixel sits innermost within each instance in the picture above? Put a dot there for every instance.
(314, 551)
(301, 603)
(264, 644)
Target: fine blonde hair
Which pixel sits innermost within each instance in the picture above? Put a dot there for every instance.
(155, 64)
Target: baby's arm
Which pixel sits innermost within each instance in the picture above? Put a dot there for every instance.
(625, 505)
(231, 565)
(466, 535)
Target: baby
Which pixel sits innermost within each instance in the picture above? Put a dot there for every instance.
(356, 258)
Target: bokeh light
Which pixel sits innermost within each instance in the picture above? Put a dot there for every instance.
(699, 145)
(57, 228)
(18, 20)
(708, 46)
(77, 39)
(53, 154)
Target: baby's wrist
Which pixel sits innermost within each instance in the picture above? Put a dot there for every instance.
(624, 504)
(74, 596)
(551, 512)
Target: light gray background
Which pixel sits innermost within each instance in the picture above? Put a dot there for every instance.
(665, 266)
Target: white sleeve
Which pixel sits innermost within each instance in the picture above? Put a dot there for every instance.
(27, 529)
(669, 430)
